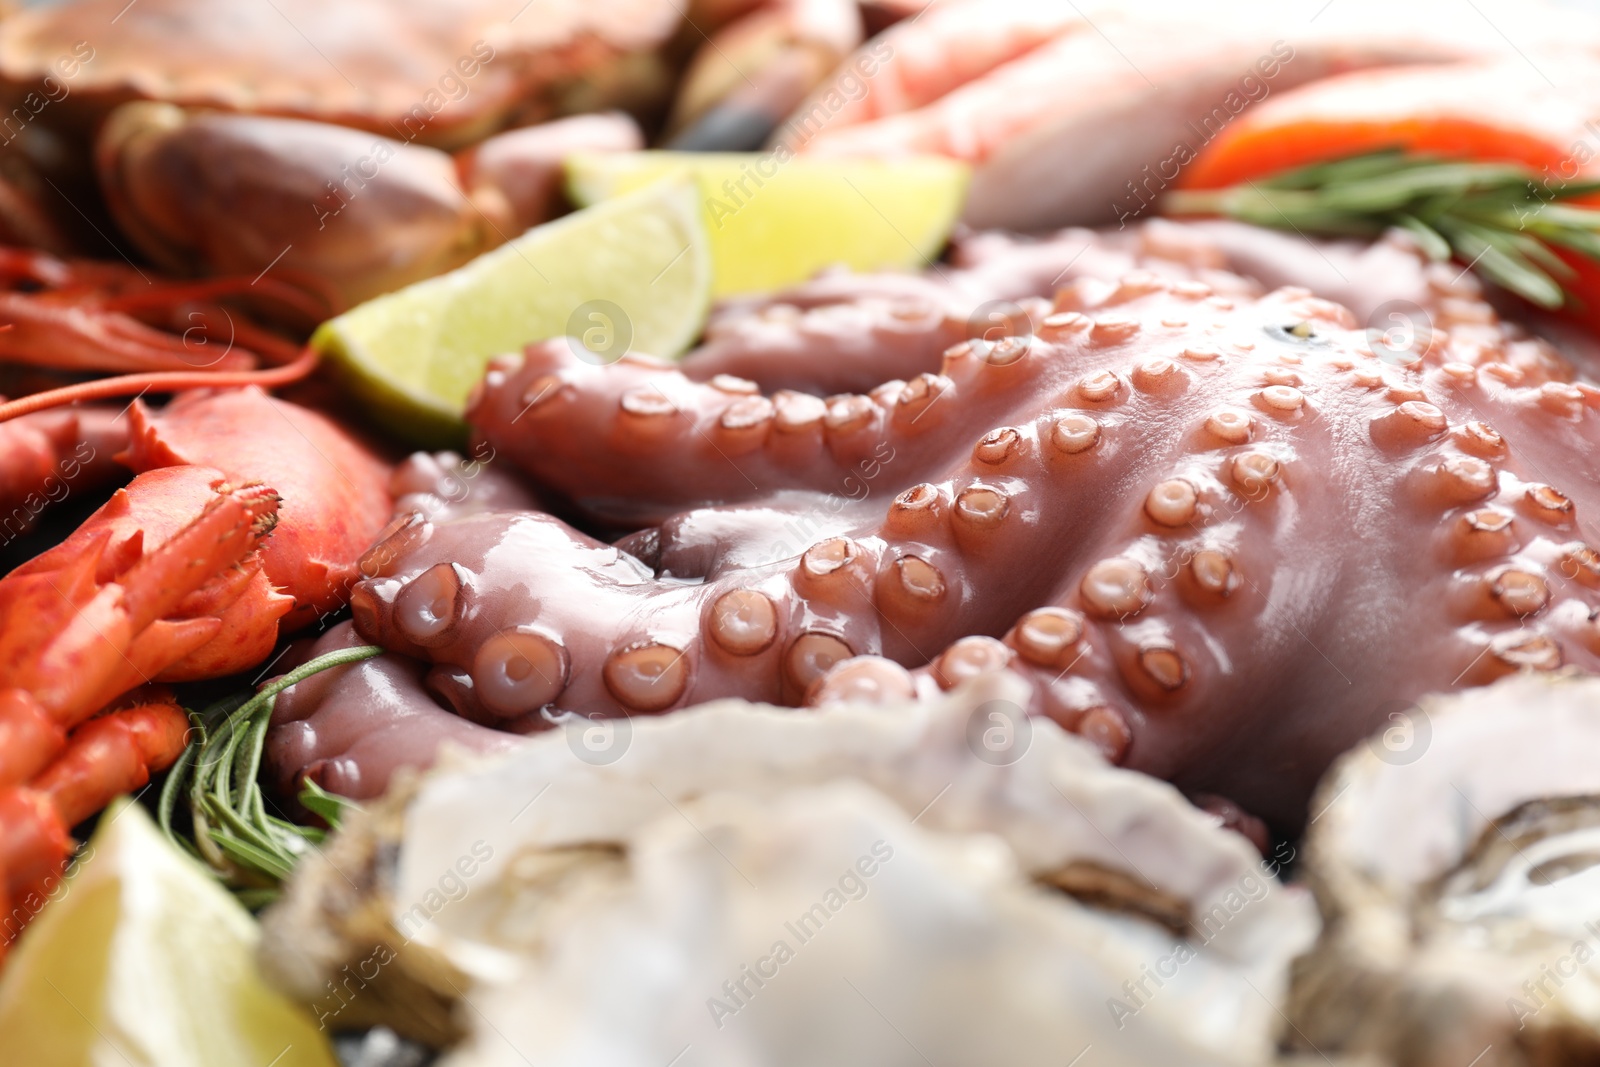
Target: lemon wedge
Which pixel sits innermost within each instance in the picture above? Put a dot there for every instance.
(777, 220)
(143, 960)
(633, 274)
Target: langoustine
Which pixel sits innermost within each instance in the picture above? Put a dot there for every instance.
(1085, 113)
(1171, 464)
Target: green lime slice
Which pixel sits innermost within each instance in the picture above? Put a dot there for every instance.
(143, 959)
(775, 220)
(633, 274)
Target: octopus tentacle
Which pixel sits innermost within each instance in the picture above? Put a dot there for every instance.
(1162, 481)
(350, 728)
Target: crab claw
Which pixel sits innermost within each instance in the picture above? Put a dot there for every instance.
(355, 213)
(105, 613)
(232, 193)
(334, 490)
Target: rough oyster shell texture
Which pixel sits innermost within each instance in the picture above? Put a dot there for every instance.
(753, 885)
(1456, 861)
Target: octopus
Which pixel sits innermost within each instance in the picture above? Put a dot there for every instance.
(1220, 532)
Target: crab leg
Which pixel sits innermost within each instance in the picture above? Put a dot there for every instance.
(113, 754)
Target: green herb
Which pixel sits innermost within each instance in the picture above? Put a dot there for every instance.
(1499, 218)
(250, 849)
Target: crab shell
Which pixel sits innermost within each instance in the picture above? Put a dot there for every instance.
(440, 74)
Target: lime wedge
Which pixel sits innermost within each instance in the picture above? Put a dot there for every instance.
(776, 220)
(143, 959)
(632, 274)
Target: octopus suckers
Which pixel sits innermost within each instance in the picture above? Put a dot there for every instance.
(920, 392)
(1006, 351)
(1504, 372)
(865, 680)
(1526, 650)
(402, 533)
(1173, 502)
(997, 446)
(1549, 503)
(1582, 564)
(743, 622)
(1164, 666)
(1113, 329)
(826, 557)
(982, 507)
(1284, 399)
(1214, 571)
(541, 391)
(1099, 386)
(1047, 637)
(919, 579)
(1488, 520)
(1399, 394)
(1062, 323)
(968, 658)
(1561, 398)
(1521, 594)
(1254, 473)
(1202, 354)
(1157, 375)
(1107, 730)
(1135, 284)
(730, 383)
(811, 655)
(1074, 433)
(847, 414)
(647, 676)
(748, 413)
(1115, 588)
(1466, 477)
(519, 671)
(427, 609)
(647, 403)
(1481, 440)
(797, 412)
(920, 497)
(1230, 426)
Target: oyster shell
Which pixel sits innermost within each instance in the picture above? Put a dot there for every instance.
(1457, 867)
(741, 884)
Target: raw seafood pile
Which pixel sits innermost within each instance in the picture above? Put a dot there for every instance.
(1225, 498)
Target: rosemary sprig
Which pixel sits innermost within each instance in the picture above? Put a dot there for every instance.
(232, 832)
(1499, 218)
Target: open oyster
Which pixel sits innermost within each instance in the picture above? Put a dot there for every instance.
(741, 884)
(1456, 861)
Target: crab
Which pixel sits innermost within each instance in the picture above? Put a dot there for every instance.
(225, 136)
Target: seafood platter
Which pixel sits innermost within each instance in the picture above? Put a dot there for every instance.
(783, 532)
